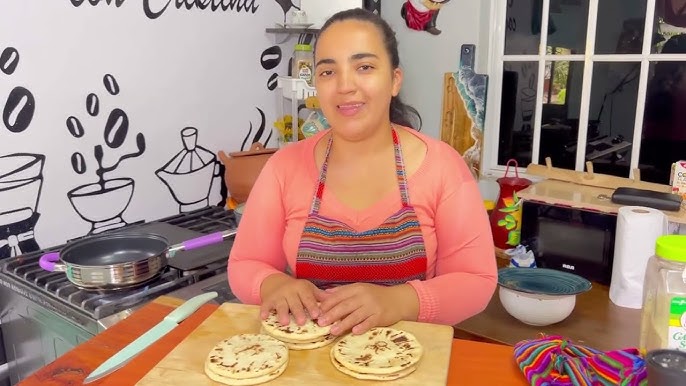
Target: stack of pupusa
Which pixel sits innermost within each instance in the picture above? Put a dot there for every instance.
(380, 354)
(246, 359)
(306, 337)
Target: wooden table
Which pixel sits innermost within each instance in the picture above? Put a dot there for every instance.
(471, 363)
(595, 322)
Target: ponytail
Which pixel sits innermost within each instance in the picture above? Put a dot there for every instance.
(405, 115)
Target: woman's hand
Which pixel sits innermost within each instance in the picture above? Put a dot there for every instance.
(362, 306)
(286, 295)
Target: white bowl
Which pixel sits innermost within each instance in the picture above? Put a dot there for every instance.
(536, 309)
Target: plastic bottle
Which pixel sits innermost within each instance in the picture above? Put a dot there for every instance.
(663, 319)
(303, 60)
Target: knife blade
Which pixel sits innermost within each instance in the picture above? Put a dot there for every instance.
(121, 358)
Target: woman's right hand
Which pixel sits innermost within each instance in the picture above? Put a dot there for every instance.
(288, 295)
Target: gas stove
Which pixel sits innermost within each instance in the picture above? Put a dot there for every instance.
(43, 314)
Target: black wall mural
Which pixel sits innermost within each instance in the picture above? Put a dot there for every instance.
(270, 58)
(156, 8)
(190, 173)
(286, 6)
(21, 181)
(421, 15)
(20, 104)
(102, 203)
(247, 141)
(21, 174)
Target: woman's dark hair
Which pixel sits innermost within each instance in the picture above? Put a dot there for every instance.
(400, 113)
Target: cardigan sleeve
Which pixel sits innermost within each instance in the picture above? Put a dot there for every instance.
(466, 272)
(257, 251)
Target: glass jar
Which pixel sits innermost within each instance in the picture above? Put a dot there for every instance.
(303, 63)
(663, 319)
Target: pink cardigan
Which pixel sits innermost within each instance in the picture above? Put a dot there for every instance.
(461, 271)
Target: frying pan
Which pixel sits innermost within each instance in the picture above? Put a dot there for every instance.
(120, 260)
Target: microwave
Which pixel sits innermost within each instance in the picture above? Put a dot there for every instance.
(575, 240)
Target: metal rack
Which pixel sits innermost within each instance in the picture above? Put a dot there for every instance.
(295, 90)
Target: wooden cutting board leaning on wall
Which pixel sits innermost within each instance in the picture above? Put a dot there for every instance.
(464, 109)
(185, 364)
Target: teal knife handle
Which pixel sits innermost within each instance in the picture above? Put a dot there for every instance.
(189, 307)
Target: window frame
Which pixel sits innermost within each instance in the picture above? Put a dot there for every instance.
(497, 58)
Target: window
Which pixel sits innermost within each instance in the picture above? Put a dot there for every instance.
(590, 72)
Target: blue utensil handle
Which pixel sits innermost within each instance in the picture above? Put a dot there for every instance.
(189, 307)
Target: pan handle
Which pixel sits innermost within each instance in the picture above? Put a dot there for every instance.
(50, 262)
(202, 241)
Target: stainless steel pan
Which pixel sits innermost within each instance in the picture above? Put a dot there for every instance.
(120, 260)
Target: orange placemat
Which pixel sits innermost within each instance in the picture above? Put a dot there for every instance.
(478, 363)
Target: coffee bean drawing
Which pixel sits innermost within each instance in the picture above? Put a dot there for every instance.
(116, 128)
(78, 163)
(9, 60)
(75, 127)
(19, 109)
(271, 57)
(110, 84)
(92, 104)
(20, 103)
(115, 132)
(271, 82)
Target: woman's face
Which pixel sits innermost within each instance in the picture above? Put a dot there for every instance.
(354, 78)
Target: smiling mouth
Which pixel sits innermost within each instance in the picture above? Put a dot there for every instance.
(349, 109)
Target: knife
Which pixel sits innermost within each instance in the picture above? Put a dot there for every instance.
(134, 348)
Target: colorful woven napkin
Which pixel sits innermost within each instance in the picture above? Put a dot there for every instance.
(553, 360)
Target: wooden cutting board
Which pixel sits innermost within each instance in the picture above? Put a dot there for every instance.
(185, 364)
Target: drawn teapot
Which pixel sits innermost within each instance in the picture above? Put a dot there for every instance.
(190, 173)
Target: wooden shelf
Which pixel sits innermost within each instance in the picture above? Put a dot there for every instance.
(573, 195)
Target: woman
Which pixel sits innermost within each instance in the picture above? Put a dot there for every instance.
(369, 222)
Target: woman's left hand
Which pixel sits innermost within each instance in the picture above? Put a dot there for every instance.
(362, 306)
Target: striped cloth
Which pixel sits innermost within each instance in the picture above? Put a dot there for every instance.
(331, 253)
(553, 360)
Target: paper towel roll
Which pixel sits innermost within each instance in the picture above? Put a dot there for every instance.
(637, 230)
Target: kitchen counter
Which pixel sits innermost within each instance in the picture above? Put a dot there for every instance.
(471, 363)
(595, 322)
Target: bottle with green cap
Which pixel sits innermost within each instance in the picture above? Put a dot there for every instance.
(303, 63)
(663, 319)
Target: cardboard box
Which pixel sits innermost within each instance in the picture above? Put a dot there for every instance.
(677, 178)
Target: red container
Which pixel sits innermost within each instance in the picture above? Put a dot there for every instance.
(507, 216)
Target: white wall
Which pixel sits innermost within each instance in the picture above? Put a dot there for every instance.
(187, 67)
(425, 57)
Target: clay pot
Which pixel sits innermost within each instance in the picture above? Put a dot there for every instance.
(242, 169)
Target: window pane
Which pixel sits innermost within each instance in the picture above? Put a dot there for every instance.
(614, 93)
(664, 121)
(560, 113)
(523, 27)
(517, 111)
(620, 26)
(669, 26)
(567, 25)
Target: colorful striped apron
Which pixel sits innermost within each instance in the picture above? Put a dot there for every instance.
(331, 253)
